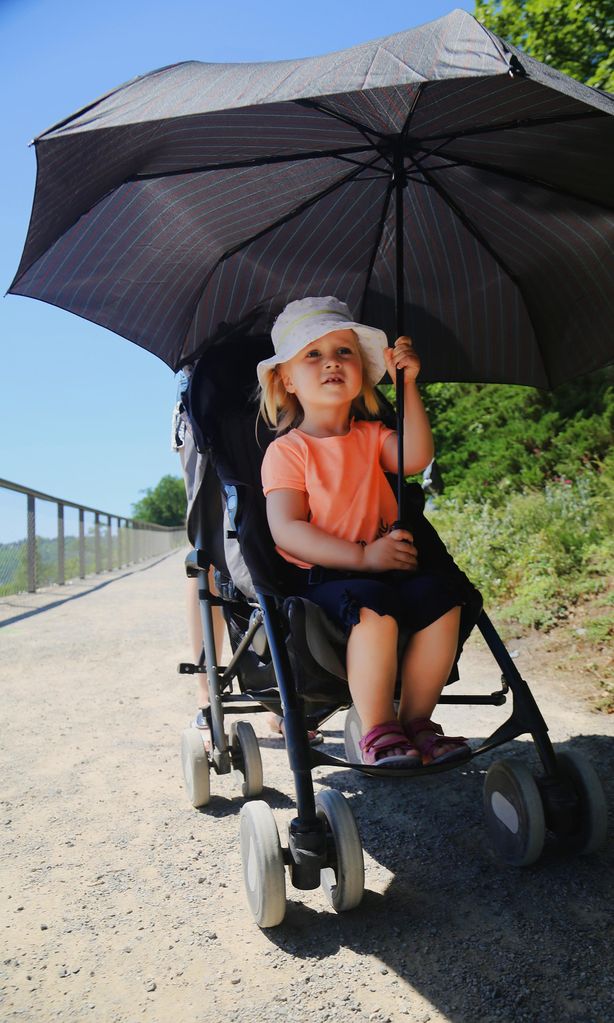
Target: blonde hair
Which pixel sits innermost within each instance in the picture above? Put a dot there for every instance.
(283, 411)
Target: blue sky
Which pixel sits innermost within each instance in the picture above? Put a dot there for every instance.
(85, 415)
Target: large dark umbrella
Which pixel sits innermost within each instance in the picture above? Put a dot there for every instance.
(439, 168)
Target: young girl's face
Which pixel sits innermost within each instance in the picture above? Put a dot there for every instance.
(327, 371)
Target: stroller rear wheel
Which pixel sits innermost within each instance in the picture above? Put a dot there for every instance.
(195, 763)
(343, 881)
(246, 759)
(590, 832)
(263, 864)
(514, 813)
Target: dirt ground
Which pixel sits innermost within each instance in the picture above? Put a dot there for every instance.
(121, 902)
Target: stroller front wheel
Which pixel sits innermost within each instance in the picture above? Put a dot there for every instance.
(246, 759)
(263, 864)
(343, 880)
(514, 813)
(195, 763)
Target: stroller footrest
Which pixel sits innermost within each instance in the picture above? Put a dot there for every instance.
(494, 699)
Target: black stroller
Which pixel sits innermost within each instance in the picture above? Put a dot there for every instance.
(289, 658)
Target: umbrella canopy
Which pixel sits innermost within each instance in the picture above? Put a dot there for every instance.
(201, 194)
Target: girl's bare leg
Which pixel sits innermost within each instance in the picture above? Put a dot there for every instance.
(372, 667)
(427, 664)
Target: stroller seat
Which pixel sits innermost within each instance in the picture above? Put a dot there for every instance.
(223, 411)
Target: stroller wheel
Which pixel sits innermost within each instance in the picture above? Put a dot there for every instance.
(514, 813)
(195, 765)
(263, 864)
(245, 756)
(591, 829)
(343, 882)
(352, 735)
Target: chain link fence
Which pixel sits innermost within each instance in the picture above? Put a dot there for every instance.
(46, 541)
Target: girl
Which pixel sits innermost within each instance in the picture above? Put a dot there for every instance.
(332, 512)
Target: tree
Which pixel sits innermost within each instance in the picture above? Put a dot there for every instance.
(165, 504)
(573, 36)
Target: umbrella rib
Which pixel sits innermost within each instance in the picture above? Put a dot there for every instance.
(410, 112)
(262, 161)
(517, 176)
(469, 224)
(512, 125)
(471, 227)
(376, 245)
(278, 223)
(299, 209)
(356, 163)
(344, 118)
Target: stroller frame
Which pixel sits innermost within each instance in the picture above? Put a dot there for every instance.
(308, 850)
(219, 677)
(566, 800)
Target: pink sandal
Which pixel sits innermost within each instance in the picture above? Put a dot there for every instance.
(459, 751)
(387, 745)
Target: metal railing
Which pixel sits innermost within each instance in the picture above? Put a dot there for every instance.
(84, 541)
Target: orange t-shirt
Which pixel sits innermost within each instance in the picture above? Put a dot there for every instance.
(349, 495)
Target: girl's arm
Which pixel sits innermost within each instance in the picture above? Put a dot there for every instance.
(418, 447)
(287, 512)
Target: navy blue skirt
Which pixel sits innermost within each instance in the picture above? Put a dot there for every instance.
(414, 599)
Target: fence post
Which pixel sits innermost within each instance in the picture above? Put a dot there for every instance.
(31, 534)
(61, 571)
(119, 542)
(97, 541)
(110, 544)
(81, 544)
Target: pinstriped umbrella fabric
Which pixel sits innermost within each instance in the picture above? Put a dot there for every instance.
(203, 195)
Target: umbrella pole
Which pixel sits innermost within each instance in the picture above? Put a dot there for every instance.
(399, 308)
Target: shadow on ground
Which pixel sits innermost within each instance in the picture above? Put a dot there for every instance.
(479, 940)
(85, 589)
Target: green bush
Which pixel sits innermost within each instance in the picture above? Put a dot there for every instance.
(540, 551)
(493, 440)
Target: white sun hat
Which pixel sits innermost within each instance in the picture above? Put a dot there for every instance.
(307, 319)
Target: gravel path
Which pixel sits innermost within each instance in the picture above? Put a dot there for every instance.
(120, 901)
